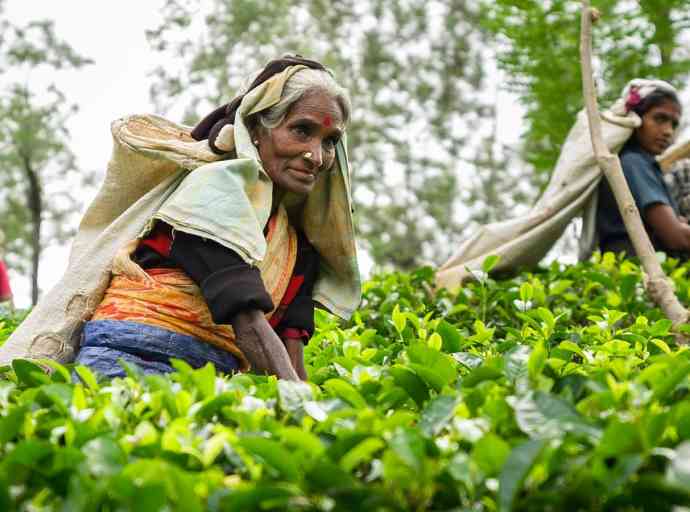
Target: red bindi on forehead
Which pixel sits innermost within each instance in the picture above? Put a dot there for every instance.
(327, 121)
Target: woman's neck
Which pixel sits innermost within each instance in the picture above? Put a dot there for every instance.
(293, 203)
(278, 196)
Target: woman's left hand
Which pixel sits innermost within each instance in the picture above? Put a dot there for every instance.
(295, 349)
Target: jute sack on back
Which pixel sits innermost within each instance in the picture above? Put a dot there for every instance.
(150, 156)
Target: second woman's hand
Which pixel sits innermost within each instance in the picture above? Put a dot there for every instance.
(261, 346)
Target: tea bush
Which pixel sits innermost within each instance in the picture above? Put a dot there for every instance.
(562, 389)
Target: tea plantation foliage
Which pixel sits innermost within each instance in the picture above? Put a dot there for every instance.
(558, 390)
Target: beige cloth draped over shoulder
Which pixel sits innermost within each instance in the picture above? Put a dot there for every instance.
(151, 161)
(572, 191)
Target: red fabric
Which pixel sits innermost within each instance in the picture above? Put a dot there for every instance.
(294, 334)
(288, 297)
(160, 239)
(5, 290)
(292, 290)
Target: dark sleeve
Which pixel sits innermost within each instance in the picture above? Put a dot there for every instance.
(299, 318)
(227, 282)
(299, 314)
(645, 183)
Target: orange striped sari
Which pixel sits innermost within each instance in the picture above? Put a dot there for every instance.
(172, 301)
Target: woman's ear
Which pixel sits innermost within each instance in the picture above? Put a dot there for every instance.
(257, 134)
(257, 131)
(254, 134)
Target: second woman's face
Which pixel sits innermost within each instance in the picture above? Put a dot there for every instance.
(301, 147)
(658, 127)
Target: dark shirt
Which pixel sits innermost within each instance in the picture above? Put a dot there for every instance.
(229, 284)
(645, 179)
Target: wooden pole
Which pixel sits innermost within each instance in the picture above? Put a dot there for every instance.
(658, 285)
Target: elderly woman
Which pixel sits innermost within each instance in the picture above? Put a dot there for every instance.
(233, 250)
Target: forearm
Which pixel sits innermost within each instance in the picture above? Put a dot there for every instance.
(677, 239)
(295, 349)
(667, 227)
(261, 345)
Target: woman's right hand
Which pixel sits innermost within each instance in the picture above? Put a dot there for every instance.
(261, 346)
(295, 349)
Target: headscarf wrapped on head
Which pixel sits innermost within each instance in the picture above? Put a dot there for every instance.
(159, 170)
(635, 92)
(211, 125)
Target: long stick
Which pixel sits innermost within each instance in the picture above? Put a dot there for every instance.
(658, 285)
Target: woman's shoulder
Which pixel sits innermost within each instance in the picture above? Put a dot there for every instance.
(237, 170)
(633, 159)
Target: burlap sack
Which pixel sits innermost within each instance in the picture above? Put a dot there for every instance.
(572, 191)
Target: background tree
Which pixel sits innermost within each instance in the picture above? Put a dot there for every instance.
(537, 47)
(37, 168)
(422, 127)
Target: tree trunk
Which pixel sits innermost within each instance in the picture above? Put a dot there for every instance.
(657, 284)
(35, 204)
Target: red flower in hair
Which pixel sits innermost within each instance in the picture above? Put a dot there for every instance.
(633, 100)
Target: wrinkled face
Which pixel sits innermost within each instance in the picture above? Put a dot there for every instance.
(299, 149)
(658, 127)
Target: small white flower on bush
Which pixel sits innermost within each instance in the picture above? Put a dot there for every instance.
(523, 305)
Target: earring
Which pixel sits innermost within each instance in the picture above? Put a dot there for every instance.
(256, 142)
(308, 155)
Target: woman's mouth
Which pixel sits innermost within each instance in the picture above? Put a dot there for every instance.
(304, 175)
(663, 143)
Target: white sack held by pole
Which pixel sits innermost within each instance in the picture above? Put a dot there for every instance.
(572, 191)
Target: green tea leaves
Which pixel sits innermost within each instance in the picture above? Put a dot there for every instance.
(490, 453)
(515, 470)
(426, 400)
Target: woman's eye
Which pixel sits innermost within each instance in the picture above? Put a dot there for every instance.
(662, 119)
(301, 131)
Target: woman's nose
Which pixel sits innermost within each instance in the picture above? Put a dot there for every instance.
(314, 155)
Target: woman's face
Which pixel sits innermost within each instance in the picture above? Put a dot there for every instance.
(658, 127)
(301, 147)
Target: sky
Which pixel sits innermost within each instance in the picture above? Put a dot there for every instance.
(112, 34)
